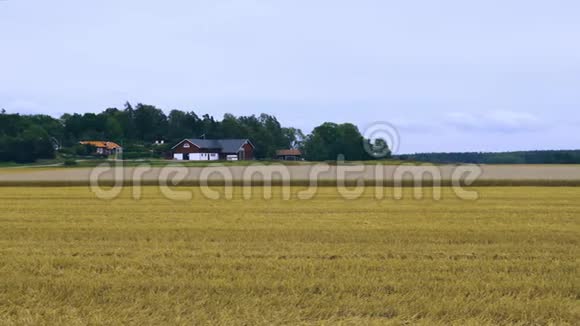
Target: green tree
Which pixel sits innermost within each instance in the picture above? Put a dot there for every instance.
(321, 144)
(380, 148)
(232, 128)
(113, 130)
(150, 123)
(331, 141)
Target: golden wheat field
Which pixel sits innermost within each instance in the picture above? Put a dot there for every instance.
(68, 258)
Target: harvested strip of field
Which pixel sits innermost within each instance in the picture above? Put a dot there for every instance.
(508, 258)
(499, 175)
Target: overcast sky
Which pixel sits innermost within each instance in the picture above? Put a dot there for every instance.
(479, 75)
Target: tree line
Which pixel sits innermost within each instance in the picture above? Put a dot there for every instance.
(27, 138)
(522, 157)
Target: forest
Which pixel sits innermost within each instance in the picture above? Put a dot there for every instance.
(27, 138)
(521, 157)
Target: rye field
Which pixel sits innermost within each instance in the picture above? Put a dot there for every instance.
(509, 258)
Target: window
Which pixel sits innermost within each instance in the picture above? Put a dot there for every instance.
(186, 145)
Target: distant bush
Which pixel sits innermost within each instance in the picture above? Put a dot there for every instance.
(70, 162)
(136, 155)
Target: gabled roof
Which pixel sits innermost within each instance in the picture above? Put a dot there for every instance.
(225, 145)
(101, 144)
(289, 152)
(206, 143)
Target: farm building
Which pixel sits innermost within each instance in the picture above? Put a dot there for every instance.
(104, 148)
(213, 150)
(289, 155)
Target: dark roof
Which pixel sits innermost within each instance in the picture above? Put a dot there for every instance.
(226, 145)
(206, 143)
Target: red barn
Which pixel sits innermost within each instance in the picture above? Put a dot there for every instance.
(214, 150)
(289, 155)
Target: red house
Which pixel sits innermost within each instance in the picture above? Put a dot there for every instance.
(214, 150)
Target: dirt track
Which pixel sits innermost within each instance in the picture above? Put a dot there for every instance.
(295, 173)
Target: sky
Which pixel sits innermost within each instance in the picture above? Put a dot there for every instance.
(449, 75)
